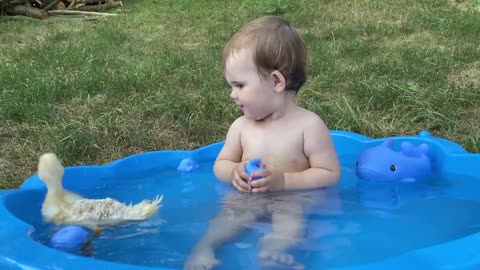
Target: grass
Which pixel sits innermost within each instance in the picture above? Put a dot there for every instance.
(150, 79)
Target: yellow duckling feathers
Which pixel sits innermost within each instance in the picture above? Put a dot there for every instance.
(64, 207)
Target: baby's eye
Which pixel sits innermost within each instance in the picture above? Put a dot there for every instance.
(240, 86)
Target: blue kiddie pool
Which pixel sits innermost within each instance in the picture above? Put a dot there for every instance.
(371, 220)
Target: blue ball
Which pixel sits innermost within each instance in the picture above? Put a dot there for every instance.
(253, 166)
(70, 238)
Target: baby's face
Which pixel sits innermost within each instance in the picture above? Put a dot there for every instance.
(249, 90)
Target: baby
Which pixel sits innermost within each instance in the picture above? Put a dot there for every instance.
(265, 66)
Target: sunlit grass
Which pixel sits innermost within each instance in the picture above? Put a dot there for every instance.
(150, 79)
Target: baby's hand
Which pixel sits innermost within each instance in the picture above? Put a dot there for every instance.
(240, 178)
(271, 180)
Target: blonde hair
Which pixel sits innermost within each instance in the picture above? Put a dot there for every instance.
(276, 45)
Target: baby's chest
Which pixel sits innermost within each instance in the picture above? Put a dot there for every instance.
(280, 148)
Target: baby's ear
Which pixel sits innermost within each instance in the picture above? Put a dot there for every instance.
(279, 82)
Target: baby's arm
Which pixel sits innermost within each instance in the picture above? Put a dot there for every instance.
(324, 165)
(226, 167)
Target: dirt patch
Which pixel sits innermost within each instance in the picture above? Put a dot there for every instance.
(465, 76)
(465, 5)
(424, 40)
(5, 164)
(9, 171)
(80, 107)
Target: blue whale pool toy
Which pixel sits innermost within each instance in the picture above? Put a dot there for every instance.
(383, 163)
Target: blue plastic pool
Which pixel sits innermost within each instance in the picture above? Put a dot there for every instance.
(431, 224)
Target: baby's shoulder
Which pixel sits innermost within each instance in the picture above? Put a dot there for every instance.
(239, 123)
(309, 118)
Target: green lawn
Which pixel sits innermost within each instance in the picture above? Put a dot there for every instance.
(96, 90)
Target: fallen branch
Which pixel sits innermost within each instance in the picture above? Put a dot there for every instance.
(91, 2)
(26, 10)
(52, 5)
(100, 6)
(41, 9)
(79, 12)
(72, 4)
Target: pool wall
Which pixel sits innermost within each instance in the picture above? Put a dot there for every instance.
(18, 208)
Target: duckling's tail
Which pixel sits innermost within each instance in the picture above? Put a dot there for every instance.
(146, 208)
(50, 171)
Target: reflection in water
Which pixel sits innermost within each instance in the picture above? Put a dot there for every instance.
(392, 195)
(287, 213)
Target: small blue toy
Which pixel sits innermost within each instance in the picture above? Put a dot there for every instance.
(187, 165)
(70, 238)
(382, 163)
(253, 166)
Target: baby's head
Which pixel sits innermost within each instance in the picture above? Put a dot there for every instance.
(275, 46)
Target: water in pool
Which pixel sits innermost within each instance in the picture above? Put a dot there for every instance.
(354, 223)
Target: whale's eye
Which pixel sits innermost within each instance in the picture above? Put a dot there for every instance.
(356, 164)
(393, 168)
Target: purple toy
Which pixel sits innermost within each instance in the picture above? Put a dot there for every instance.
(382, 163)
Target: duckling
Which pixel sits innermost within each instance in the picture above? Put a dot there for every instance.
(65, 207)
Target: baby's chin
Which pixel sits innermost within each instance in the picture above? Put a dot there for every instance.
(255, 117)
(251, 117)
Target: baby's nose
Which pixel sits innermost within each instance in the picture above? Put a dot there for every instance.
(233, 95)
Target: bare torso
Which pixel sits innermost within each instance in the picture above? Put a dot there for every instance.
(278, 143)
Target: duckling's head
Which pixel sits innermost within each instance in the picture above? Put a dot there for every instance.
(50, 170)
